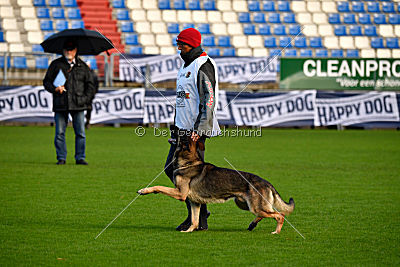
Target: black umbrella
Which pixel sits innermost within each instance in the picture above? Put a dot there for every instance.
(89, 42)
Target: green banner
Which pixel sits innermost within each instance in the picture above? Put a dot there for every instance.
(340, 73)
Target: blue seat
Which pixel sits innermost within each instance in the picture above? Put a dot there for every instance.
(306, 53)
(337, 53)
(54, 3)
(173, 28)
(43, 13)
(321, 53)
(274, 18)
(76, 24)
(61, 25)
(284, 6)
(392, 43)
(275, 53)
(334, 18)
(285, 42)
(213, 52)
(118, 4)
(70, 3)
(291, 53)
(164, 4)
(37, 48)
(179, 5)
(39, 3)
(74, 13)
(388, 7)
(280, 29)
(92, 62)
(229, 52)
(373, 7)
(316, 42)
(2, 62)
(187, 26)
(355, 30)
(364, 18)
(20, 63)
(123, 14)
(269, 6)
(208, 40)
(270, 42)
(349, 18)
(46, 25)
(358, 7)
(136, 50)
(244, 17)
(249, 29)
(343, 7)
(294, 29)
(209, 5)
(2, 37)
(131, 39)
(253, 6)
(377, 42)
(394, 18)
(259, 17)
(127, 26)
(300, 42)
(224, 41)
(58, 13)
(289, 18)
(353, 53)
(380, 18)
(47, 34)
(370, 30)
(264, 29)
(340, 30)
(204, 28)
(42, 63)
(398, 7)
(194, 5)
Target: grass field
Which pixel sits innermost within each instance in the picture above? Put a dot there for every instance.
(346, 185)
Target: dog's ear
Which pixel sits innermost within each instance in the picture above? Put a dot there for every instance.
(201, 145)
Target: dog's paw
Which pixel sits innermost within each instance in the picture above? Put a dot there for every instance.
(191, 229)
(142, 191)
(274, 233)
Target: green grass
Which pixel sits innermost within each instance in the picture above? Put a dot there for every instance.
(345, 184)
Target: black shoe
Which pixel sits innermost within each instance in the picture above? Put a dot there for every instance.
(185, 225)
(61, 162)
(81, 162)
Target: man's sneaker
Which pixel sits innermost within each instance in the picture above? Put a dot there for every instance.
(81, 162)
(61, 162)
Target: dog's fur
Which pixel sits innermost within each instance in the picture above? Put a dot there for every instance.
(205, 183)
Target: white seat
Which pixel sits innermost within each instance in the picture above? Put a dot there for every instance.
(244, 52)
(150, 4)
(260, 52)
(383, 53)
(13, 37)
(146, 39)
(397, 30)
(169, 16)
(9, 24)
(235, 29)
(24, 2)
(240, 6)
(138, 15)
(184, 16)
(3, 47)
(163, 40)
(314, 6)
(28, 12)
(35, 37)
(5, 3)
(255, 41)
(298, 6)
(158, 27)
(304, 18)
(396, 53)
(386, 30)
(151, 50)
(329, 7)
(346, 42)
(143, 27)
(367, 53)
(325, 30)
(214, 16)
(362, 42)
(6, 12)
(320, 18)
(199, 16)
(16, 48)
(31, 25)
(154, 15)
(219, 29)
(331, 42)
(229, 17)
(134, 4)
(167, 50)
(224, 5)
(310, 30)
(239, 41)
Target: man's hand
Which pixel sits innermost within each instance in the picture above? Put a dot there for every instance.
(195, 136)
(60, 89)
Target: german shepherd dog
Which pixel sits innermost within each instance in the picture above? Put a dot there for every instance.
(205, 183)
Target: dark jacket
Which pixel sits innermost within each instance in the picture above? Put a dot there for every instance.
(79, 85)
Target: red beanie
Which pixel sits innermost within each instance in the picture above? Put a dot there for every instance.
(190, 36)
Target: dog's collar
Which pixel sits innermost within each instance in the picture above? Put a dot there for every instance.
(185, 167)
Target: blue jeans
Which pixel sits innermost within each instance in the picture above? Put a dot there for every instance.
(78, 121)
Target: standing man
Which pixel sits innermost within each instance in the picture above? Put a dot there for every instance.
(73, 97)
(196, 99)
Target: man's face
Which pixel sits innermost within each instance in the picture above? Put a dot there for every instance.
(70, 53)
(185, 48)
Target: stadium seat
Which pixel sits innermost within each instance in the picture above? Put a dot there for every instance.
(349, 18)
(259, 17)
(289, 18)
(274, 18)
(298, 6)
(316, 42)
(37, 48)
(224, 41)
(284, 6)
(334, 18)
(321, 53)
(291, 53)
(383, 53)
(373, 7)
(47, 34)
(41, 63)
(76, 24)
(249, 29)
(269, 6)
(370, 30)
(92, 62)
(219, 29)
(343, 6)
(187, 26)
(204, 28)
(355, 30)
(253, 6)
(131, 39)
(2, 36)
(279, 29)
(127, 26)
(285, 42)
(275, 52)
(54, 3)
(240, 41)
(364, 18)
(43, 13)
(314, 6)
(394, 18)
(61, 25)
(306, 53)
(2, 58)
(209, 5)
(377, 42)
(340, 30)
(123, 14)
(270, 42)
(39, 3)
(337, 53)
(70, 3)
(392, 43)
(229, 52)
(352, 53)
(194, 5)
(58, 13)
(294, 29)
(379, 19)
(74, 13)
(358, 7)
(46, 25)
(179, 5)
(300, 42)
(214, 52)
(164, 4)
(28, 12)
(244, 17)
(136, 50)
(20, 63)
(388, 7)
(237, 6)
(118, 4)
(264, 29)
(208, 40)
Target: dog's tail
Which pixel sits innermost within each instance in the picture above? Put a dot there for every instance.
(282, 206)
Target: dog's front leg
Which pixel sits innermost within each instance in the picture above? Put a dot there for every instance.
(195, 217)
(180, 192)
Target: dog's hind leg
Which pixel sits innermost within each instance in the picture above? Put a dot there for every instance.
(253, 224)
(280, 218)
(195, 217)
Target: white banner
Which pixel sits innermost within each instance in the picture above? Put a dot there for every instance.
(223, 108)
(266, 111)
(372, 106)
(159, 109)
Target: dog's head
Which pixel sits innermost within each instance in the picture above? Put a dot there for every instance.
(186, 147)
